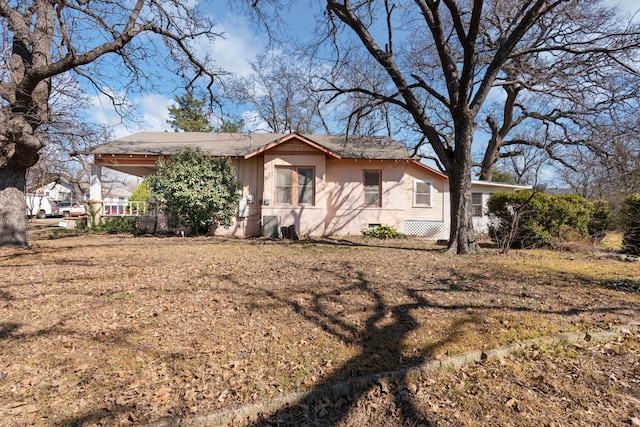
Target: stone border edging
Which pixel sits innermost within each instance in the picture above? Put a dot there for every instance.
(344, 388)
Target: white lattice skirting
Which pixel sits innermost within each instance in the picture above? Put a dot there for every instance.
(429, 229)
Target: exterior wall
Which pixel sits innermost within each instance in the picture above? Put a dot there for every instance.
(435, 212)
(250, 175)
(346, 211)
(426, 221)
(481, 223)
(308, 220)
(55, 191)
(339, 195)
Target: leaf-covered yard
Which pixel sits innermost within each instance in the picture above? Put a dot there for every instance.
(115, 330)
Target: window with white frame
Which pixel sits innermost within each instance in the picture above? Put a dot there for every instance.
(476, 204)
(372, 188)
(295, 185)
(421, 193)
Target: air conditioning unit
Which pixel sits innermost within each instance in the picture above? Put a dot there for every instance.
(271, 226)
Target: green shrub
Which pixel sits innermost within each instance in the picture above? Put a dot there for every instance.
(526, 219)
(601, 219)
(197, 190)
(115, 225)
(141, 194)
(515, 221)
(568, 216)
(630, 216)
(383, 232)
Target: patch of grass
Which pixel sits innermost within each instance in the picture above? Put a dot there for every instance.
(383, 232)
(121, 296)
(117, 225)
(546, 265)
(612, 242)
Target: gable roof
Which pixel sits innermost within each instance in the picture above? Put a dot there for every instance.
(251, 144)
(290, 138)
(421, 165)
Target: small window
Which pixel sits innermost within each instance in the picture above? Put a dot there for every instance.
(421, 193)
(295, 186)
(305, 178)
(372, 188)
(284, 186)
(476, 204)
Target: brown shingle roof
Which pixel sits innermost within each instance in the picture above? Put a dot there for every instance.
(241, 144)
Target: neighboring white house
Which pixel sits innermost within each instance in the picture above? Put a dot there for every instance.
(480, 193)
(56, 191)
(115, 199)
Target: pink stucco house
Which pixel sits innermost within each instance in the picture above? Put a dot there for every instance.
(322, 184)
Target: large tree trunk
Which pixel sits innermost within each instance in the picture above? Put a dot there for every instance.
(13, 208)
(27, 110)
(462, 237)
(19, 147)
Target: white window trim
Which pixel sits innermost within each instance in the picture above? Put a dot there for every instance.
(481, 204)
(415, 192)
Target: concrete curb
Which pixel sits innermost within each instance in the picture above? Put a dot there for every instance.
(422, 371)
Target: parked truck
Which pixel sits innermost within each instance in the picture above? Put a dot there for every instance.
(38, 206)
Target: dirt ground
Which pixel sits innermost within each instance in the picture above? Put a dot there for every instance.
(118, 330)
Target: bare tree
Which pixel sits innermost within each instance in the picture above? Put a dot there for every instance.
(609, 167)
(280, 91)
(528, 152)
(47, 38)
(558, 89)
(441, 60)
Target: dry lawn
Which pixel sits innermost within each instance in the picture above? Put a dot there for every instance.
(117, 330)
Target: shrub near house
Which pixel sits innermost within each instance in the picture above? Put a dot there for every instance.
(196, 190)
(142, 194)
(630, 214)
(526, 219)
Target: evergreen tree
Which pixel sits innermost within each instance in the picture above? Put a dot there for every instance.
(189, 114)
(230, 126)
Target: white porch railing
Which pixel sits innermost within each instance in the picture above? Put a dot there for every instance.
(125, 209)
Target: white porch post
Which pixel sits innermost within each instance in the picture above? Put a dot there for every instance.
(95, 188)
(95, 193)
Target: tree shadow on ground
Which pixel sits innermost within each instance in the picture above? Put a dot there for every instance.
(380, 339)
(381, 342)
(373, 243)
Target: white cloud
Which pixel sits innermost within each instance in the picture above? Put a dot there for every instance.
(231, 53)
(236, 48)
(155, 109)
(148, 112)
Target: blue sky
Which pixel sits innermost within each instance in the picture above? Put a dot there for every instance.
(232, 53)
